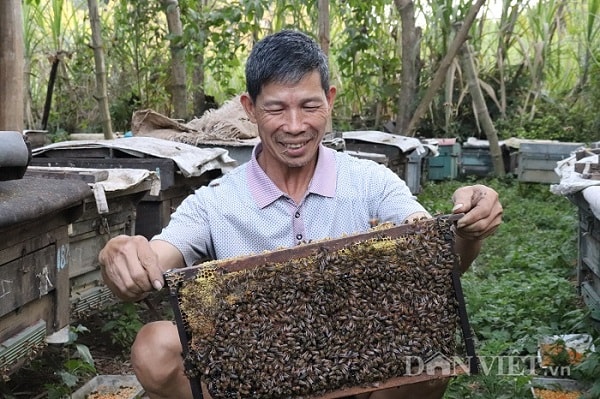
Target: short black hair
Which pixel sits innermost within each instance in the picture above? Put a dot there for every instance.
(284, 57)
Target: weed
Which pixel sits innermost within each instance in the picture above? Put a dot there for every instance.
(588, 372)
(79, 364)
(123, 323)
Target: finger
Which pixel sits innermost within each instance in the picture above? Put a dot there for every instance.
(124, 268)
(482, 204)
(479, 230)
(149, 261)
(481, 227)
(462, 199)
(134, 276)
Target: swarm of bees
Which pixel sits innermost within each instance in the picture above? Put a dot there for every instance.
(338, 318)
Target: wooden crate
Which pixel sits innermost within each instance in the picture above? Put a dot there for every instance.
(34, 263)
(536, 161)
(301, 334)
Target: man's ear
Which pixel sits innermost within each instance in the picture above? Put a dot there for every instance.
(248, 105)
(331, 96)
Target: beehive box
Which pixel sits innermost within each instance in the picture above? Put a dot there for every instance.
(445, 165)
(111, 211)
(182, 169)
(34, 263)
(536, 161)
(87, 236)
(476, 161)
(405, 155)
(588, 259)
(325, 319)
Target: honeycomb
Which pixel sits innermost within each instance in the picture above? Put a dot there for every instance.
(340, 317)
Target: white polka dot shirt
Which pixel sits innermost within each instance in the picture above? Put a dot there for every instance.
(244, 213)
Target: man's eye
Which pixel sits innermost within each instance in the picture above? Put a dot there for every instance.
(274, 110)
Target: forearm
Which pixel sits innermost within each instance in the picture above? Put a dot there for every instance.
(467, 250)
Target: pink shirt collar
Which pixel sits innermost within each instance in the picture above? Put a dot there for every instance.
(264, 191)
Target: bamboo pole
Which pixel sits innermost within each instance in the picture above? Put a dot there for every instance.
(177, 86)
(101, 90)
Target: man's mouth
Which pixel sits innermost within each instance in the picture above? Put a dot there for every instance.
(294, 146)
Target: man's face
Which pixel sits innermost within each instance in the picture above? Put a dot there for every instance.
(291, 120)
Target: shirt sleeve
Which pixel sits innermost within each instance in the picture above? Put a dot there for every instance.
(188, 230)
(393, 200)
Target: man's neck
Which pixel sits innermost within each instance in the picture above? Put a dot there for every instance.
(292, 181)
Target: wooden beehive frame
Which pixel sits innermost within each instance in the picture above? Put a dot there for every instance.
(195, 277)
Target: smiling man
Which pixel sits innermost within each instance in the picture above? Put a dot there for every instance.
(292, 190)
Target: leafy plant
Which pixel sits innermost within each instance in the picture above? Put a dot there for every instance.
(588, 371)
(123, 324)
(78, 364)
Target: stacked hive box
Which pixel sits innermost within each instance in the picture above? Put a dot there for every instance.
(588, 262)
(34, 263)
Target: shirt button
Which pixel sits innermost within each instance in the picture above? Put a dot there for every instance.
(298, 237)
(297, 214)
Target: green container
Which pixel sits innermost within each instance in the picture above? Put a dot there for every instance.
(445, 165)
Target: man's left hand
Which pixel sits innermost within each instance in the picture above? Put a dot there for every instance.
(482, 209)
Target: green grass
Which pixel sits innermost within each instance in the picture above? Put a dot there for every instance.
(523, 284)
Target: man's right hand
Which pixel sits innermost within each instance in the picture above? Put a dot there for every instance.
(130, 267)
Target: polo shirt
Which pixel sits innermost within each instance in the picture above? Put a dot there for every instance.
(244, 212)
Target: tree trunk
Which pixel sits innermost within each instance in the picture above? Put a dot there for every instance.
(480, 108)
(440, 74)
(198, 77)
(176, 87)
(101, 89)
(324, 39)
(410, 52)
(11, 66)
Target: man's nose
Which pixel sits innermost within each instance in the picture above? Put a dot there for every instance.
(294, 121)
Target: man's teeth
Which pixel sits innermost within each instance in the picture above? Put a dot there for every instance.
(294, 146)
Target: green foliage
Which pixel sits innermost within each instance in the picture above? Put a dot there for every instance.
(123, 323)
(78, 365)
(549, 76)
(486, 387)
(521, 286)
(588, 372)
(554, 121)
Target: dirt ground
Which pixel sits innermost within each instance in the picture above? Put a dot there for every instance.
(31, 381)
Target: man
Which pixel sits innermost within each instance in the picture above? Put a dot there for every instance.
(292, 190)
